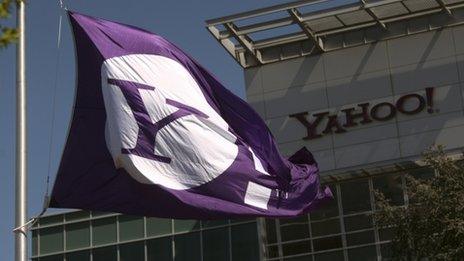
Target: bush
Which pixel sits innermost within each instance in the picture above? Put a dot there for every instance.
(431, 224)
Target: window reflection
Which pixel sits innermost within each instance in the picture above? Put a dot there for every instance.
(422, 173)
(158, 226)
(77, 235)
(272, 251)
(244, 242)
(271, 235)
(355, 196)
(391, 187)
(360, 238)
(159, 249)
(216, 244)
(186, 225)
(132, 252)
(187, 247)
(358, 222)
(104, 231)
(296, 248)
(329, 209)
(386, 251)
(78, 256)
(105, 254)
(294, 231)
(363, 254)
(327, 227)
(386, 234)
(51, 240)
(327, 243)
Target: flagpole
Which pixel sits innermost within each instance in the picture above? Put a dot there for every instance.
(21, 160)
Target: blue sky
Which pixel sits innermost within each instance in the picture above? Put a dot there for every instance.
(182, 22)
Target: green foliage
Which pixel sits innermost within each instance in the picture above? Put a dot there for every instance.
(7, 34)
(432, 224)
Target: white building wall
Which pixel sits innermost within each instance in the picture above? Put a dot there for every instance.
(370, 73)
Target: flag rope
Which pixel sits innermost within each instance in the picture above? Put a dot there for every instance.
(52, 128)
(63, 5)
(25, 227)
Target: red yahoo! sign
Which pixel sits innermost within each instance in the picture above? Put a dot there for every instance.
(367, 114)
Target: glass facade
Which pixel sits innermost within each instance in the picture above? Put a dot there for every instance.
(343, 229)
(96, 236)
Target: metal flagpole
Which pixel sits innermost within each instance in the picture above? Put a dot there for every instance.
(21, 162)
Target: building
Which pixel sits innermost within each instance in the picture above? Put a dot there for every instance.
(366, 86)
(83, 235)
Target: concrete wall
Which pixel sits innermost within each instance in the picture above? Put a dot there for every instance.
(370, 73)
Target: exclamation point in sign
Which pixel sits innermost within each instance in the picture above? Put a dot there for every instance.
(429, 96)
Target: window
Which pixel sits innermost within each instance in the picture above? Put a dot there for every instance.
(187, 247)
(391, 187)
(158, 226)
(386, 251)
(105, 254)
(272, 251)
(327, 227)
(159, 249)
(296, 248)
(52, 258)
(293, 239)
(130, 227)
(132, 252)
(327, 243)
(77, 235)
(35, 242)
(422, 173)
(99, 213)
(51, 220)
(297, 220)
(245, 242)
(271, 235)
(78, 256)
(77, 215)
(213, 223)
(51, 240)
(363, 254)
(241, 220)
(228, 240)
(186, 225)
(295, 228)
(355, 196)
(216, 244)
(358, 222)
(329, 209)
(360, 238)
(104, 231)
(386, 233)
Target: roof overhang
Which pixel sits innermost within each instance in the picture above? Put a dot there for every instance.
(307, 27)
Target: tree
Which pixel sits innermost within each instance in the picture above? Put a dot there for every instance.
(7, 34)
(431, 225)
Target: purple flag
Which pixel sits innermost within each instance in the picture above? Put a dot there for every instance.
(153, 133)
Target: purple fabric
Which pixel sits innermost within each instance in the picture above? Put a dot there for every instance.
(88, 179)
